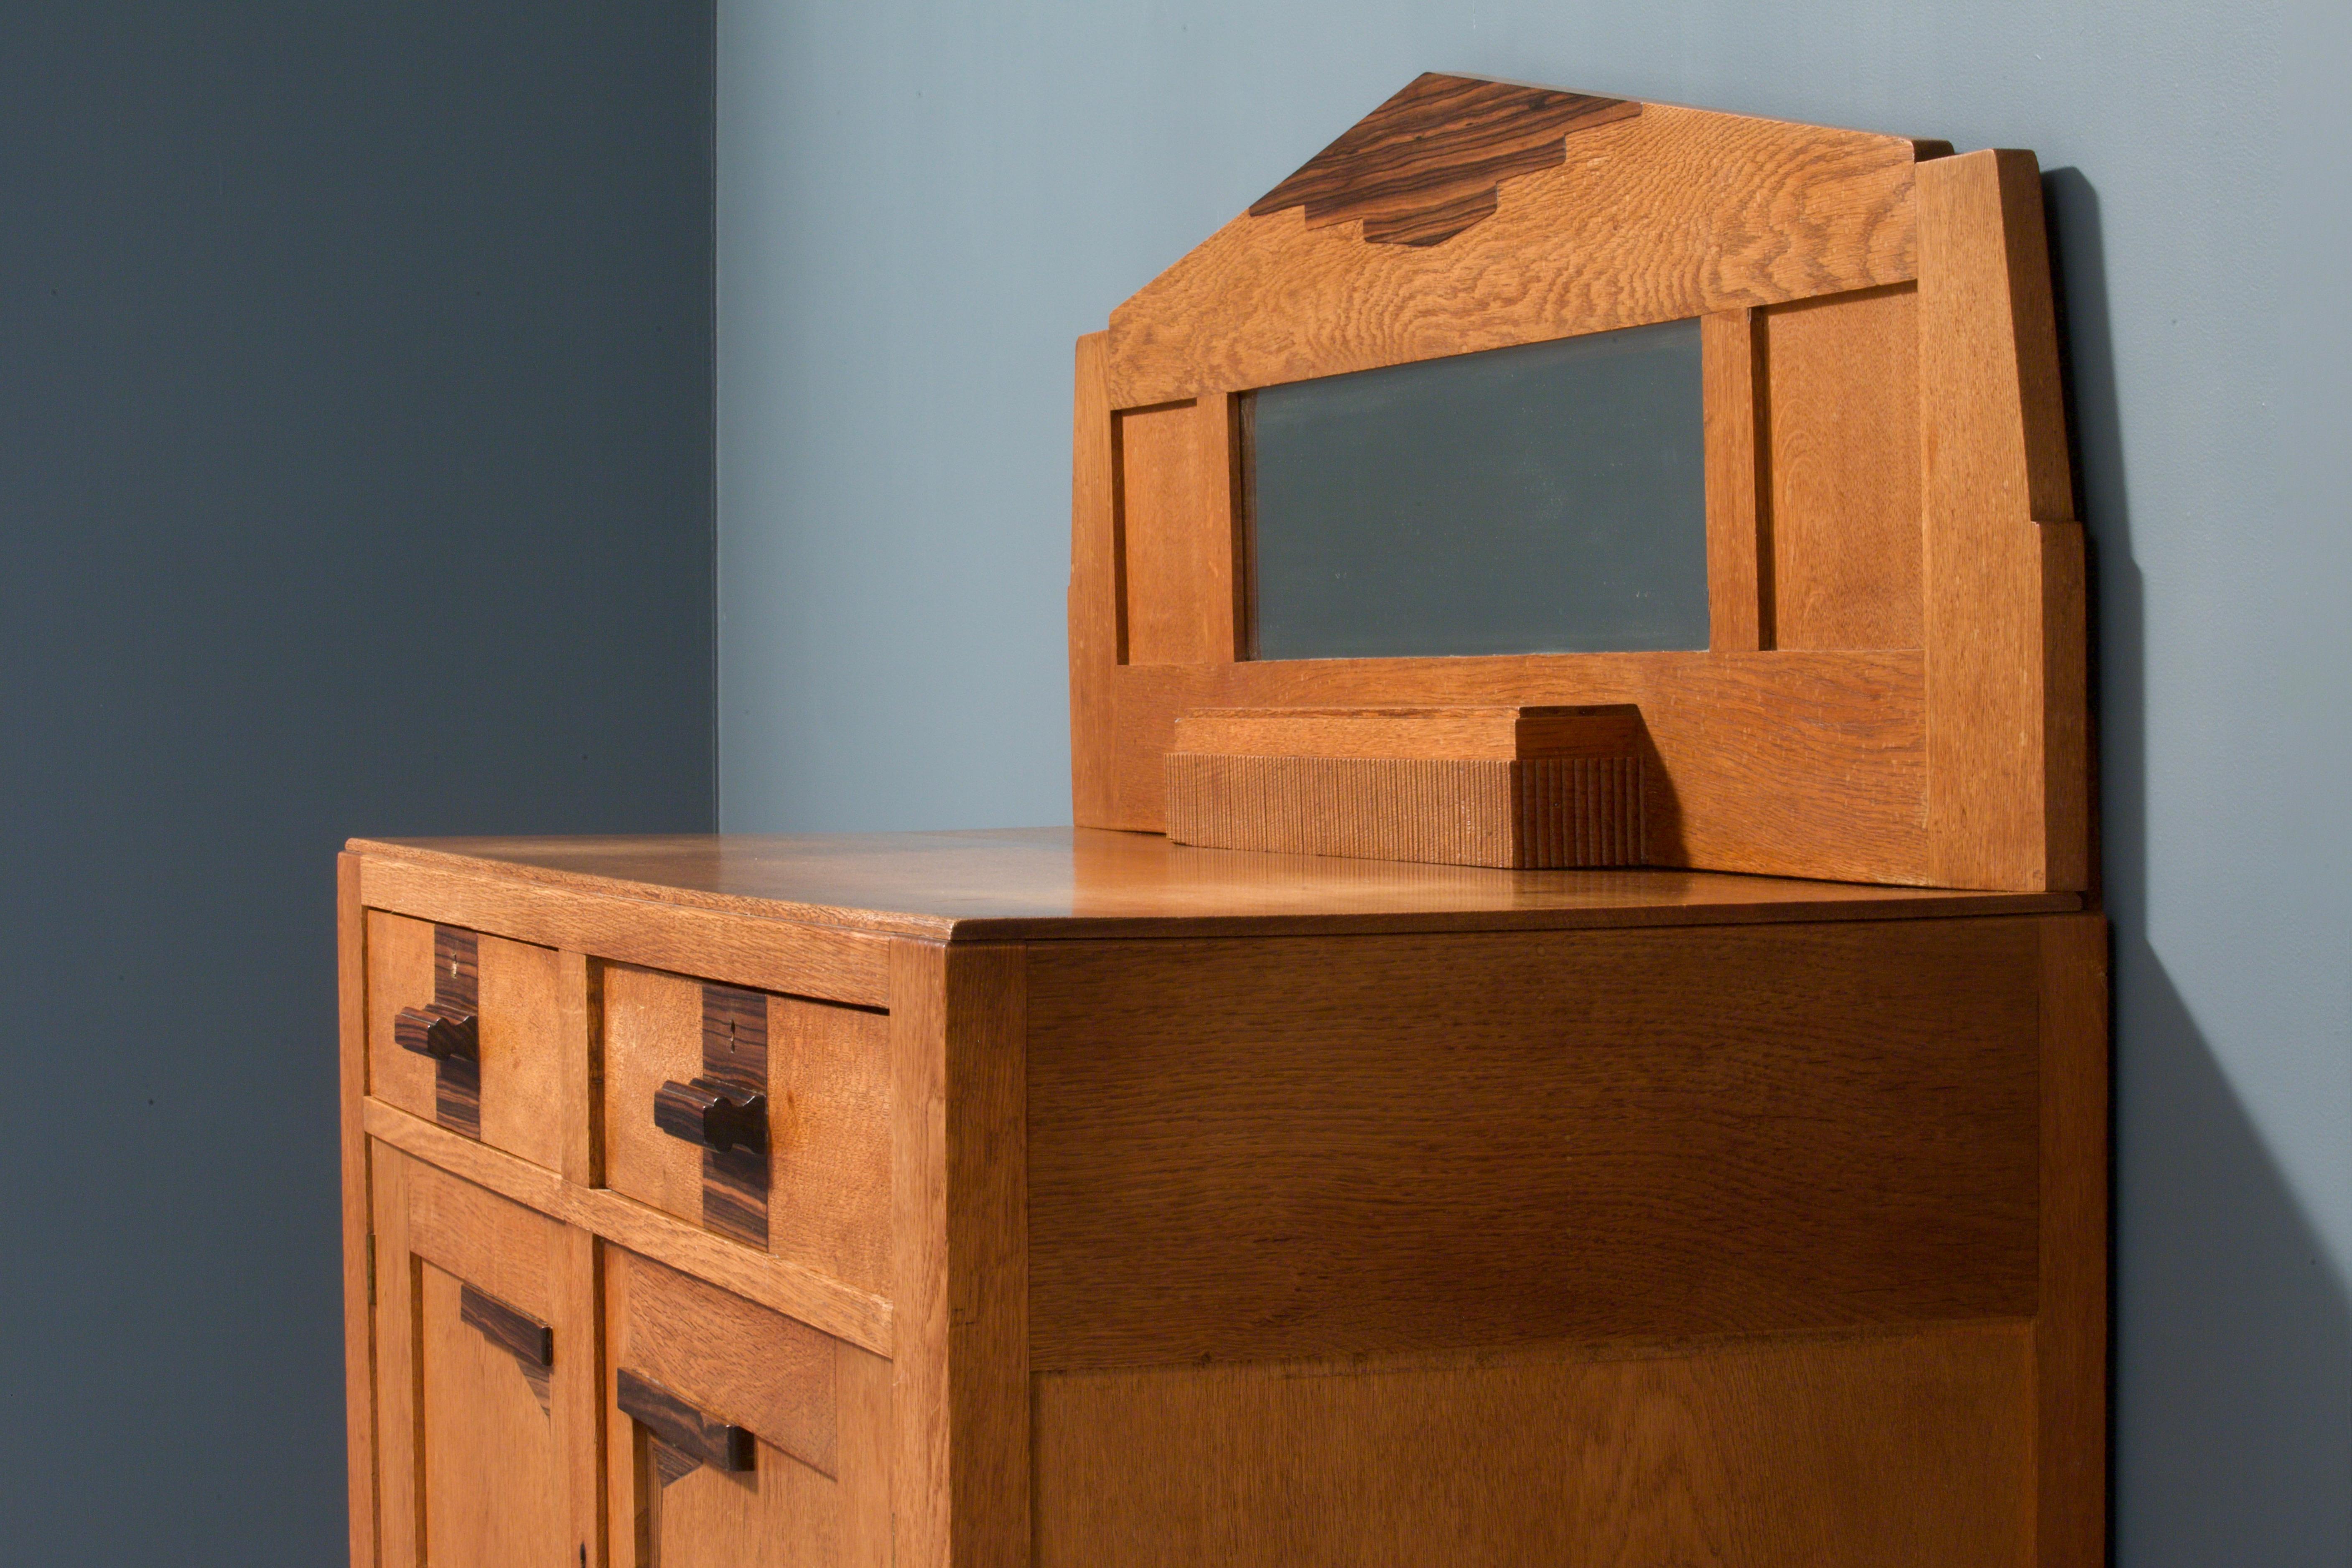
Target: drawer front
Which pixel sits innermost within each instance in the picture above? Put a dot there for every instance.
(763, 1117)
(472, 1031)
(735, 1435)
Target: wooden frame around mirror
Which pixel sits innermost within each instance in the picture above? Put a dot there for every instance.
(1894, 688)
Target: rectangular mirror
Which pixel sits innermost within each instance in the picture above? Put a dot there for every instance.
(1549, 497)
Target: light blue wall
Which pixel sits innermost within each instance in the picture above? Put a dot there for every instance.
(921, 205)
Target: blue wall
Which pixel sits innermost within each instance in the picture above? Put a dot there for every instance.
(921, 205)
(355, 478)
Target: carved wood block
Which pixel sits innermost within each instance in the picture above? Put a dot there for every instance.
(1516, 787)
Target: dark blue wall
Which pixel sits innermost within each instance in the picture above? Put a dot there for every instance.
(355, 432)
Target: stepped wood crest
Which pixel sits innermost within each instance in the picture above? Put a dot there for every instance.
(1893, 686)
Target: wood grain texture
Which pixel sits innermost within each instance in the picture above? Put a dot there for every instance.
(1047, 884)
(1180, 558)
(1842, 424)
(1098, 593)
(1667, 214)
(528, 1051)
(1562, 812)
(735, 1058)
(359, 1240)
(1425, 166)
(781, 1284)
(827, 1075)
(681, 1427)
(2070, 1331)
(1850, 1453)
(730, 1358)
(627, 921)
(1509, 730)
(529, 1341)
(1783, 763)
(652, 1035)
(2008, 796)
(960, 1479)
(1313, 1148)
(1734, 398)
(399, 976)
(481, 1463)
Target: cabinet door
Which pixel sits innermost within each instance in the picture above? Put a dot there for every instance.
(486, 1377)
(737, 1438)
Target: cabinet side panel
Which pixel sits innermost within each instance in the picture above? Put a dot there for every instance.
(2071, 1331)
(1855, 1454)
(1308, 1147)
(359, 1238)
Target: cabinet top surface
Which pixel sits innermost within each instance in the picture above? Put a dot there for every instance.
(1026, 884)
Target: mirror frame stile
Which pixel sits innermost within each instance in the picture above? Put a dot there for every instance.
(1894, 686)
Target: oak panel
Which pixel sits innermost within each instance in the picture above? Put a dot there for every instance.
(359, 1349)
(1176, 478)
(1669, 214)
(781, 1283)
(1738, 492)
(1834, 1454)
(652, 1035)
(1842, 423)
(2008, 734)
(817, 1490)
(1057, 883)
(1304, 1147)
(960, 1473)
(487, 1457)
(629, 923)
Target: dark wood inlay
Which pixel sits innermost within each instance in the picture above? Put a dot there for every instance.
(691, 1435)
(1427, 163)
(735, 1064)
(525, 1337)
(449, 1030)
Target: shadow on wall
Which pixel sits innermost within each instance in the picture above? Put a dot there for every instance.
(2233, 1337)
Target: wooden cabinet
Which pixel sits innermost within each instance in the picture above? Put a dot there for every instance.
(1110, 1202)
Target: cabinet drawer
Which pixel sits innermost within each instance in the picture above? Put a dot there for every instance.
(763, 1117)
(734, 1434)
(474, 1032)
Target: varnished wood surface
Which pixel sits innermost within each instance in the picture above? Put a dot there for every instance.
(2007, 717)
(1318, 1147)
(1441, 811)
(1870, 1452)
(358, 1237)
(779, 952)
(778, 1283)
(1425, 166)
(1668, 213)
(2070, 1331)
(959, 1198)
(1050, 883)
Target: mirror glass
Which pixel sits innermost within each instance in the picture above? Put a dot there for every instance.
(1549, 497)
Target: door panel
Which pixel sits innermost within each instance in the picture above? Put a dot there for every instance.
(486, 1357)
(736, 1435)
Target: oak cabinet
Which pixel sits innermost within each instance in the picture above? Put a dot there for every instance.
(1111, 1202)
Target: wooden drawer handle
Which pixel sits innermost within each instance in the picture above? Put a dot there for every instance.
(702, 1438)
(525, 1337)
(443, 1033)
(708, 1113)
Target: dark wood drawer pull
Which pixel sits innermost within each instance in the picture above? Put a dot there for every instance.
(706, 1113)
(682, 1428)
(525, 1339)
(443, 1033)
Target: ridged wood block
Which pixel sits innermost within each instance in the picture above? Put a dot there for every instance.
(1339, 781)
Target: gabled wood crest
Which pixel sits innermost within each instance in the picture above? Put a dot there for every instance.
(1894, 689)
